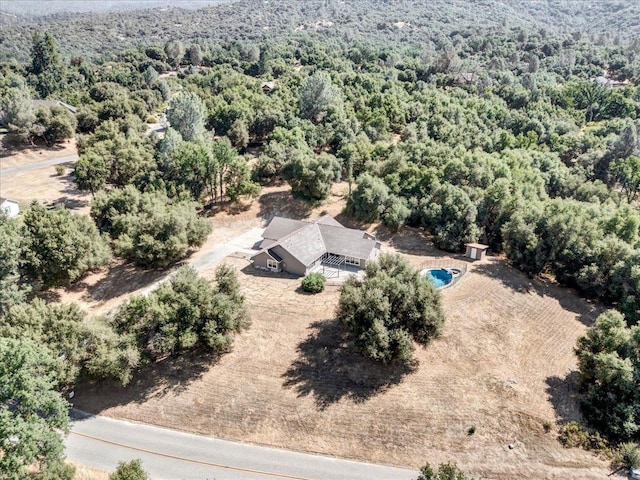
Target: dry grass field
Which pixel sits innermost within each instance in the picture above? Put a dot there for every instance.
(43, 185)
(505, 365)
(84, 472)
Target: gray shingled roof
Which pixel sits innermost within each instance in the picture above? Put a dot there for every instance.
(281, 227)
(306, 245)
(347, 241)
(328, 220)
(308, 241)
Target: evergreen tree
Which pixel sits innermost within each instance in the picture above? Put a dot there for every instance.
(46, 65)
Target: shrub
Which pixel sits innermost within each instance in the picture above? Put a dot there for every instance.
(446, 471)
(129, 471)
(59, 170)
(313, 283)
(630, 455)
(574, 435)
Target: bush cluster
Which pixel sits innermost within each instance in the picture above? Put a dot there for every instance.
(313, 283)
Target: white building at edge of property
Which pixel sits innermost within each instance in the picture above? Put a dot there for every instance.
(9, 207)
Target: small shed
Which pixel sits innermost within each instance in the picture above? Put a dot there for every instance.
(267, 86)
(10, 207)
(475, 251)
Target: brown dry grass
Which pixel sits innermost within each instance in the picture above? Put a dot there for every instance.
(15, 154)
(43, 185)
(505, 365)
(83, 472)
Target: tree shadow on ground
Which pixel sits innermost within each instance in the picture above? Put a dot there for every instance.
(172, 375)
(564, 396)
(121, 279)
(330, 370)
(70, 203)
(414, 241)
(13, 144)
(517, 281)
(227, 206)
(284, 205)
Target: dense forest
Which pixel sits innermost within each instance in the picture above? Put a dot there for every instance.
(511, 124)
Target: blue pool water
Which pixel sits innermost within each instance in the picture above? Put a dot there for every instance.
(440, 277)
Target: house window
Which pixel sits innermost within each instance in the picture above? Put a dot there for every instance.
(352, 261)
(272, 264)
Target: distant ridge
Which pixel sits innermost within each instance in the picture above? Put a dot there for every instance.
(36, 8)
(410, 23)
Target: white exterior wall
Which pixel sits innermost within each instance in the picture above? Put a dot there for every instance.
(10, 207)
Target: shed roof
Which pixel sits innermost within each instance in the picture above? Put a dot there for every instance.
(479, 246)
(274, 255)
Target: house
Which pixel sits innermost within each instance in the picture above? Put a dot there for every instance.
(296, 247)
(267, 86)
(54, 103)
(9, 207)
(46, 104)
(609, 82)
(465, 78)
(475, 251)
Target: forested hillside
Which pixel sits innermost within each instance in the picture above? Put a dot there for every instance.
(510, 123)
(419, 25)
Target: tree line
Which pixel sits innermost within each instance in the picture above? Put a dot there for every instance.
(508, 137)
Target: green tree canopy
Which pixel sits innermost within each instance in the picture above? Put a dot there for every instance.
(149, 228)
(60, 247)
(46, 65)
(450, 215)
(311, 176)
(11, 289)
(392, 306)
(371, 201)
(31, 412)
(186, 115)
(18, 112)
(318, 96)
(609, 365)
(627, 173)
(185, 313)
(77, 344)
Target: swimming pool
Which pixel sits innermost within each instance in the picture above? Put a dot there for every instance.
(440, 277)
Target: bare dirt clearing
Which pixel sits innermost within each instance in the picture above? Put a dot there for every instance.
(43, 184)
(16, 154)
(504, 366)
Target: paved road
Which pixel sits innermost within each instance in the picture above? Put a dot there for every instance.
(7, 172)
(167, 454)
